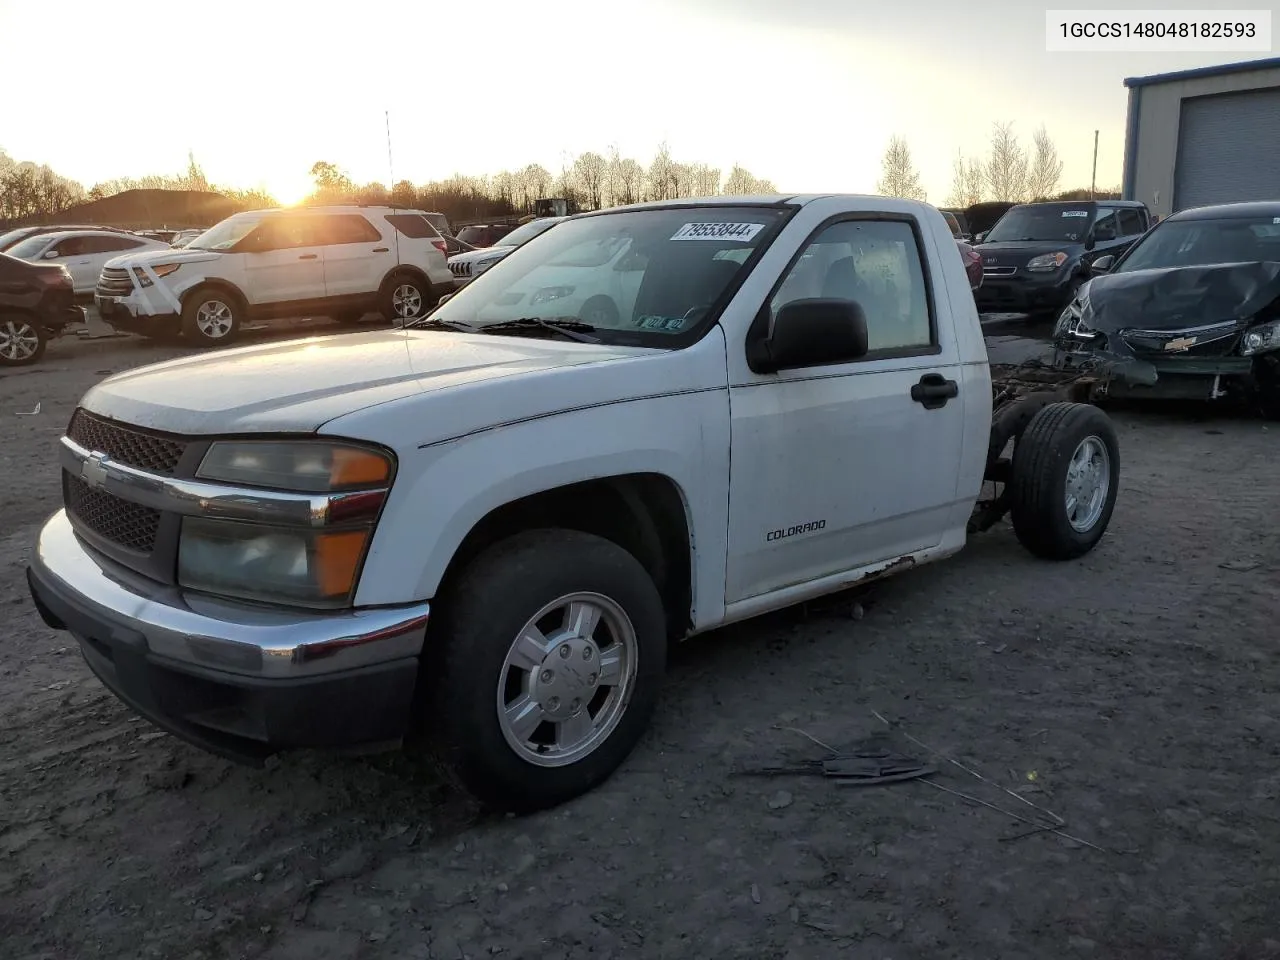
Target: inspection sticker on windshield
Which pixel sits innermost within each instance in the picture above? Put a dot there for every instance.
(717, 231)
(1075, 213)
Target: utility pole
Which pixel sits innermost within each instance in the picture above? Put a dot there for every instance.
(1093, 184)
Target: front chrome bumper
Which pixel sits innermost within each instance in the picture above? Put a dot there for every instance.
(237, 679)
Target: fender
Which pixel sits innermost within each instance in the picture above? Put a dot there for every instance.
(444, 490)
(405, 268)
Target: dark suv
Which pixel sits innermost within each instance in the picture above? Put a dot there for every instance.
(1038, 254)
(36, 303)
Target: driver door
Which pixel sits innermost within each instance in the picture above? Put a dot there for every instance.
(841, 465)
(284, 261)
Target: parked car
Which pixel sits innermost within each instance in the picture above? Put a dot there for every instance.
(961, 222)
(981, 217)
(1192, 310)
(184, 237)
(466, 266)
(36, 304)
(972, 264)
(339, 262)
(492, 532)
(82, 252)
(11, 237)
(485, 234)
(453, 245)
(440, 222)
(1037, 256)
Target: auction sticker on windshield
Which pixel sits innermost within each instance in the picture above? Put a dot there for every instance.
(717, 231)
(1075, 213)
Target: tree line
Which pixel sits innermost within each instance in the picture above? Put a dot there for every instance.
(1009, 172)
(591, 180)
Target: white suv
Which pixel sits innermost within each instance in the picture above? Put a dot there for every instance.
(338, 262)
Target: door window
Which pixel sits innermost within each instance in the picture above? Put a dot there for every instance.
(1131, 223)
(285, 233)
(345, 228)
(1104, 228)
(109, 244)
(73, 247)
(876, 263)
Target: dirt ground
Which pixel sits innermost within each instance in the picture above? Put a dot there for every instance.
(1133, 693)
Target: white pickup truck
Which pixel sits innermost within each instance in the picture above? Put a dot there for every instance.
(481, 532)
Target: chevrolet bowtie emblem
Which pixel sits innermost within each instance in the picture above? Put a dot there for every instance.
(1181, 343)
(94, 471)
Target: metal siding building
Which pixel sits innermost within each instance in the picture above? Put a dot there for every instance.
(1204, 136)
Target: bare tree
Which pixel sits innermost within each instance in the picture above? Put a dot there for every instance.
(631, 178)
(662, 175)
(1046, 168)
(966, 182)
(589, 175)
(537, 182)
(898, 175)
(741, 182)
(1005, 175)
(404, 194)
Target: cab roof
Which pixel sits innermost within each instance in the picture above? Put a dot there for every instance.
(1230, 211)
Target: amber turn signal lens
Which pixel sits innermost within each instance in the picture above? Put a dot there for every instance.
(353, 467)
(337, 560)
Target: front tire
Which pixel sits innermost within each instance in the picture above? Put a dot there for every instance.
(551, 651)
(22, 342)
(1066, 471)
(211, 318)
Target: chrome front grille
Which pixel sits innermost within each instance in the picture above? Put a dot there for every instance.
(128, 445)
(114, 282)
(129, 525)
(462, 269)
(999, 271)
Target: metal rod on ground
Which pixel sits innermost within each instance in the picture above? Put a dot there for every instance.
(1093, 184)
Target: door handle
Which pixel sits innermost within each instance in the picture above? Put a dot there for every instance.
(381, 250)
(934, 390)
(307, 256)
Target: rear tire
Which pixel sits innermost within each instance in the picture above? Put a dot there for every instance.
(523, 726)
(405, 298)
(22, 342)
(211, 317)
(1066, 471)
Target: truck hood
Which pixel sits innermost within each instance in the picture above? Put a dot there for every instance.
(296, 386)
(163, 255)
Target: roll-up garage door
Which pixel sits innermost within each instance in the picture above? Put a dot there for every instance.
(1228, 149)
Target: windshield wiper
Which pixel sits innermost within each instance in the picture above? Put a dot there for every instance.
(569, 327)
(436, 323)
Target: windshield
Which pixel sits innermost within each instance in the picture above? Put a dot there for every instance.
(643, 277)
(1191, 243)
(1056, 222)
(30, 247)
(523, 234)
(225, 234)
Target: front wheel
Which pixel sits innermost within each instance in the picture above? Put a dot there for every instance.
(1066, 473)
(21, 342)
(211, 318)
(550, 651)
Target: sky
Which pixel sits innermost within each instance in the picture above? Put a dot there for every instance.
(805, 93)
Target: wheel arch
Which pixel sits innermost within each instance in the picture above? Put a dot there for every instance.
(216, 283)
(645, 513)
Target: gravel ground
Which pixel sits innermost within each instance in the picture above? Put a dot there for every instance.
(1131, 692)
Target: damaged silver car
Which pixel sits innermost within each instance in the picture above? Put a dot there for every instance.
(1191, 311)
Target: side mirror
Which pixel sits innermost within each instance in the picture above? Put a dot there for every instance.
(445, 299)
(981, 237)
(1102, 264)
(811, 332)
(51, 254)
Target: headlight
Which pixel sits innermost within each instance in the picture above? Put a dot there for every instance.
(551, 293)
(483, 265)
(314, 568)
(1047, 261)
(1071, 322)
(309, 558)
(1261, 339)
(304, 466)
(160, 270)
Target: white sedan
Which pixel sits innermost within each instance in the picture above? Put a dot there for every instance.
(83, 252)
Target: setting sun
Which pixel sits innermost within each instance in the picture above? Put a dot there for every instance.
(289, 191)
